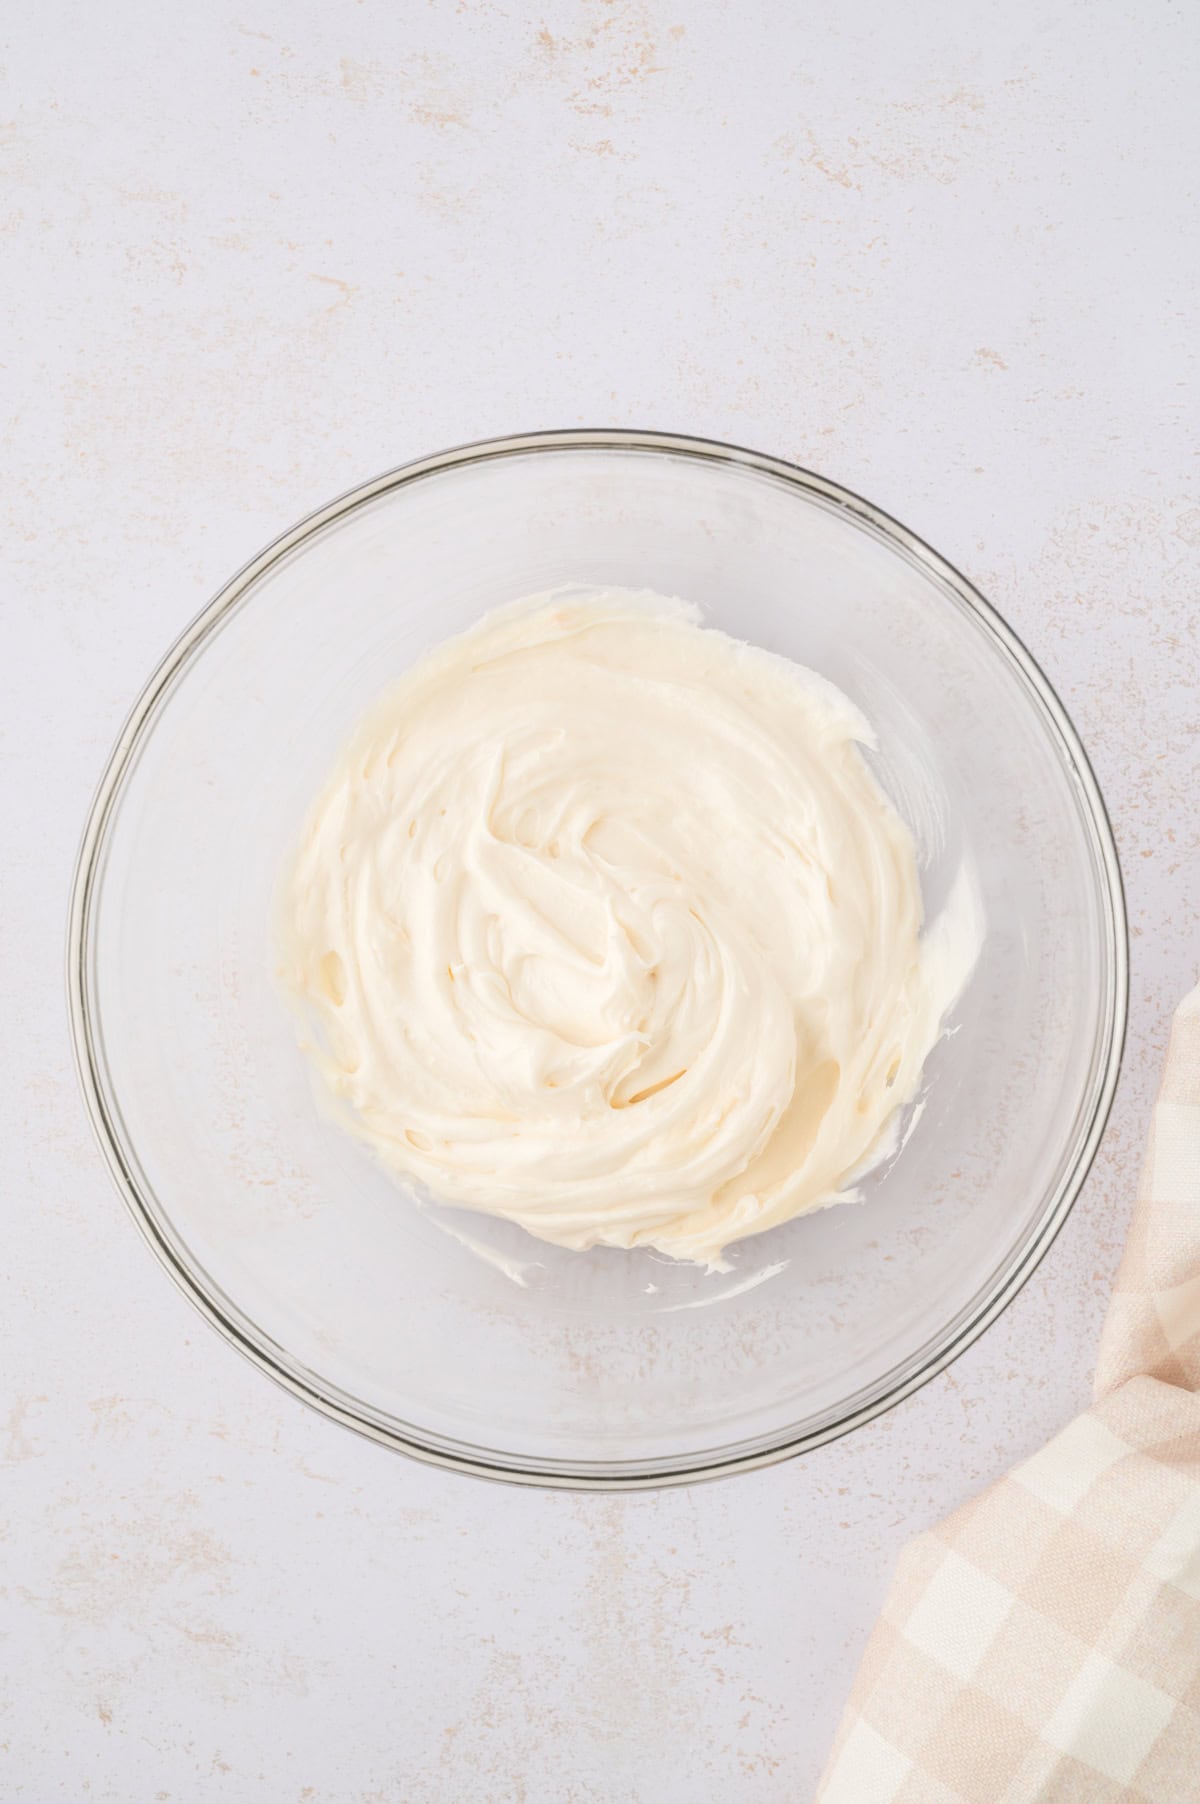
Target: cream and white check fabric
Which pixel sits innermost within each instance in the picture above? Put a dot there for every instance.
(1043, 1644)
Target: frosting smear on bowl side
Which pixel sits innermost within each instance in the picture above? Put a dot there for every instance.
(602, 924)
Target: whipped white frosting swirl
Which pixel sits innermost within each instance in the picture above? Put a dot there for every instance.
(603, 925)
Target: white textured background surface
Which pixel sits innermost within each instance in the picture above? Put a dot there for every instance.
(257, 249)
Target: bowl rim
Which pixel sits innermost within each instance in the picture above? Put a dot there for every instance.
(600, 1475)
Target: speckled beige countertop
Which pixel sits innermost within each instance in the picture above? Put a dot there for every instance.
(257, 251)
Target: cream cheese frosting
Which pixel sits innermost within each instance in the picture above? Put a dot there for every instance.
(602, 924)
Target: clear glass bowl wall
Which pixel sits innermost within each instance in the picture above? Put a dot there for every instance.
(603, 1368)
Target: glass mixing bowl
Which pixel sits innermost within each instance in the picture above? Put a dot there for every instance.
(482, 1348)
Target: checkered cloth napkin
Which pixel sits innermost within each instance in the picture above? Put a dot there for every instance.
(1044, 1642)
